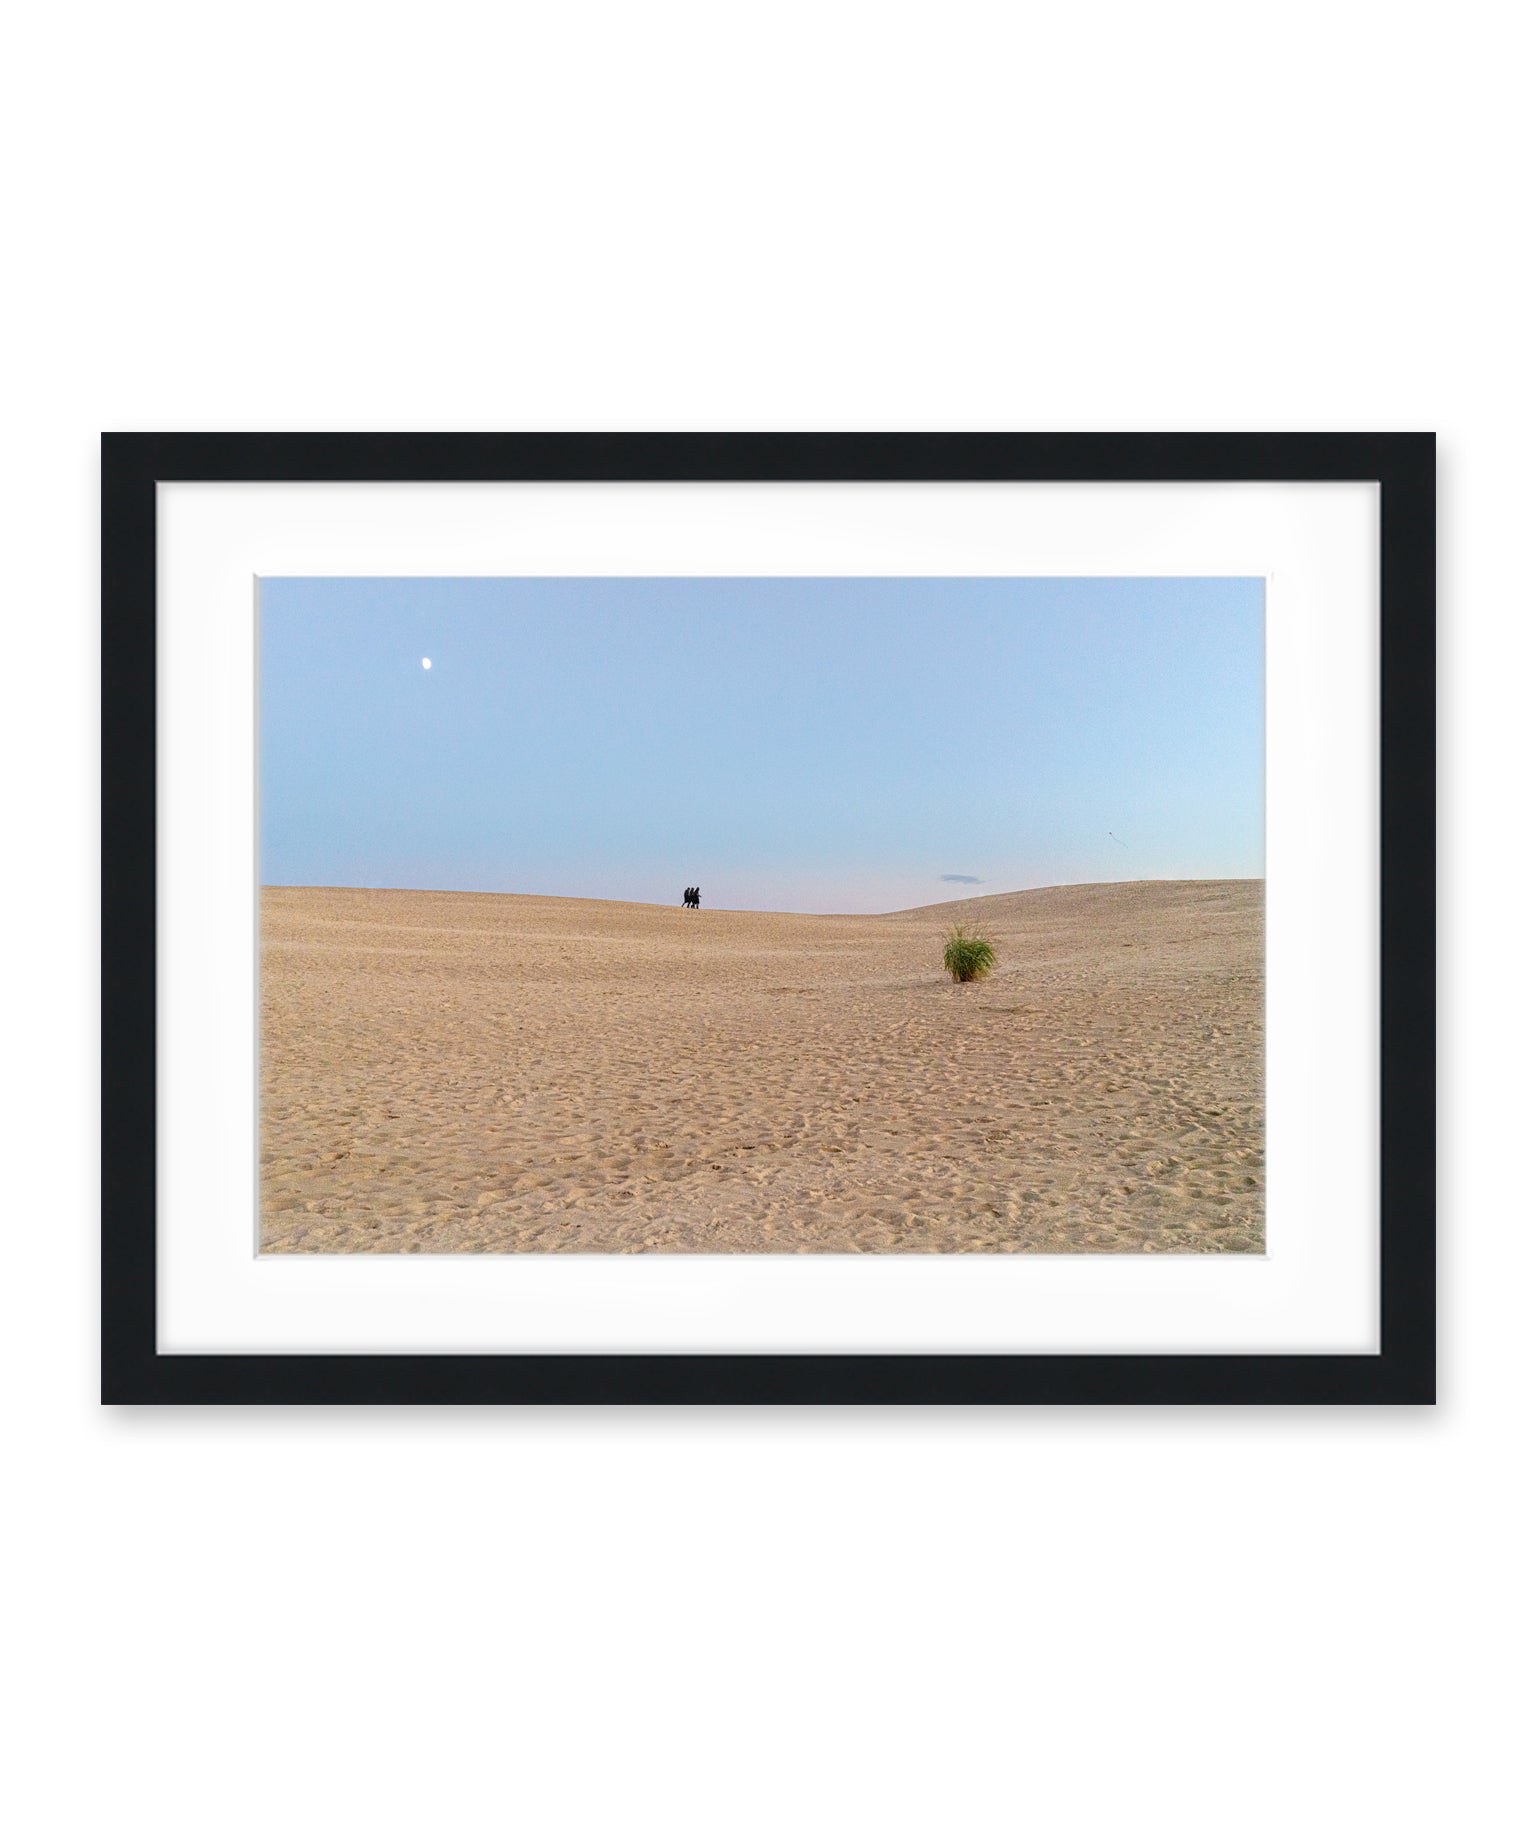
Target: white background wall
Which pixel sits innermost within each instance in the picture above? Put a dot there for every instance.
(317, 1625)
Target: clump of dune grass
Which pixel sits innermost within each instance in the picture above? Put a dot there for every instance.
(967, 957)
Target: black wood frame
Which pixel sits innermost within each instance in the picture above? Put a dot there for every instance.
(1403, 1371)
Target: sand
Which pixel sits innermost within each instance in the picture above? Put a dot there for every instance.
(445, 1071)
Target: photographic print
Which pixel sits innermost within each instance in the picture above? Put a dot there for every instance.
(797, 915)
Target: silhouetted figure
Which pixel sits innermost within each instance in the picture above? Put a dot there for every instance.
(696, 897)
(688, 896)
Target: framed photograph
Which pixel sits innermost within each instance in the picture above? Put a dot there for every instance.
(768, 918)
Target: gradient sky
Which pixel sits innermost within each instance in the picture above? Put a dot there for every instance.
(820, 744)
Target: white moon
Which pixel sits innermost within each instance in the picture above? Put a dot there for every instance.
(425, 662)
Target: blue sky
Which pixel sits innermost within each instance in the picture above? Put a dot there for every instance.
(821, 744)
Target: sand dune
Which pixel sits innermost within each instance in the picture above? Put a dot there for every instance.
(452, 1071)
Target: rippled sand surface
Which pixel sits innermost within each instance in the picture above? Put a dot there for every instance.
(452, 1071)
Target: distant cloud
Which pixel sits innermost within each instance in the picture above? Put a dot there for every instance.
(960, 878)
